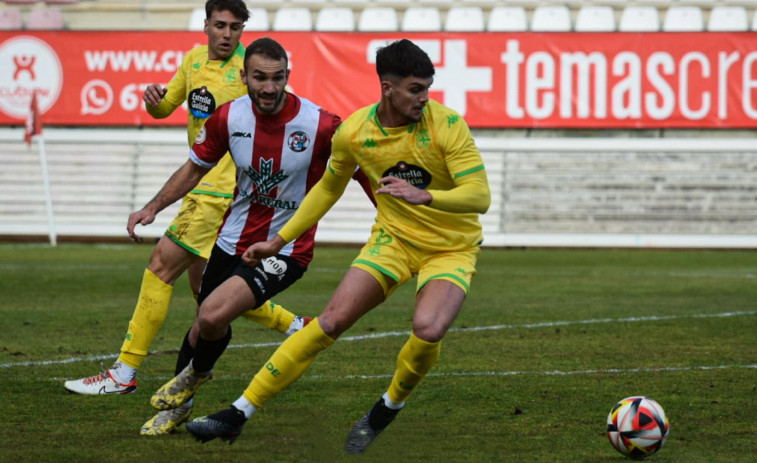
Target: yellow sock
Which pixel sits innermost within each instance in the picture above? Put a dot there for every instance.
(271, 315)
(287, 364)
(148, 317)
(413, 362)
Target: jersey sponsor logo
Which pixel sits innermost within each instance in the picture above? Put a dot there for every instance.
(275, 267)
(270, 202)
(414, 175)
(201, 103)
(369, 143)
(264, 181)
(298, 141)
(241, 135)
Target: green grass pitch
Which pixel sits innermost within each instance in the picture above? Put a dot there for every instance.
(547, 342)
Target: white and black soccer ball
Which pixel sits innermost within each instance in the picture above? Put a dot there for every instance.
(637, 427)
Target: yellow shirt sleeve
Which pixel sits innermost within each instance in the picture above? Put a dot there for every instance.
(317, 202)
(470, 194)
(176, 94)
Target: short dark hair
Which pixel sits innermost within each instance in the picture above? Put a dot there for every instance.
(266, 46)
(401, 59)
(237, 8)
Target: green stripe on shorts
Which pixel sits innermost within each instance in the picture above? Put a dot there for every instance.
(380, 269)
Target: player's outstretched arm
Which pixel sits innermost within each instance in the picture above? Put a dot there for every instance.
(181, 182)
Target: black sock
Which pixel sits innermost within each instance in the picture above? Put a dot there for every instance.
(208, 352)
(380, 416)
(185, 355)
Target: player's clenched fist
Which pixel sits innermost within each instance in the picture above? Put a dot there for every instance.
(263, 249)
(154, 93)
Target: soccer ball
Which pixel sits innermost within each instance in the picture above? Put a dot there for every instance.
(637, 427)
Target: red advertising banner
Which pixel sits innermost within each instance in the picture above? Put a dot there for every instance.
(496, 80)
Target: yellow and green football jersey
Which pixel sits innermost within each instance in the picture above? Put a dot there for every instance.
(205, 85)
(433, 154)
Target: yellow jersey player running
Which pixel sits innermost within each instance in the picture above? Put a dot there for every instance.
(430, 186)
(207, 78)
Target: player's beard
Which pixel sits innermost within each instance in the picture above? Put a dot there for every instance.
(277, 102)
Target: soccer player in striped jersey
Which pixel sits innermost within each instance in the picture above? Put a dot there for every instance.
(208, 77)
(280, 144)
(430, 186)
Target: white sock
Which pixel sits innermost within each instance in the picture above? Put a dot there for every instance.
(123, 373)
(297, 324)
(246, 407)
(389, 404)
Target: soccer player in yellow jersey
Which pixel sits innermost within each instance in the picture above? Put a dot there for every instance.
(430, 186)
(207, 78)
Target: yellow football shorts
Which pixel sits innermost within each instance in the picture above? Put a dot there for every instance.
(393, 262)
(195, 227)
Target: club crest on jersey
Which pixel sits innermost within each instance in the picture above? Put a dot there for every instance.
(415, 175)
(201, 103)
(298, 141)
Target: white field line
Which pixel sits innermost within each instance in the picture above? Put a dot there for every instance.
(553, 373)
(651, 318)
(451, 374)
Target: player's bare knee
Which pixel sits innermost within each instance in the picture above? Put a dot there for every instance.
(331, 325)
(211, 324)
(428, 333)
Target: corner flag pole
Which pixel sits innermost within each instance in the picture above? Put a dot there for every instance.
(34, 131)
(48, 196)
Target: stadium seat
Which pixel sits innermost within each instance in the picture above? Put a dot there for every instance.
(464, 18)
(595, 18)
(551, 18)
(10, 19)
(683, 19)
(293, 18)
(507, 19)
(45, 19)
(258, 20)
(422, 18)
(728, 18)
(335, 19)
(377, 18)
(61, 2)
(197, 20)
(639, 19)
(20, 2)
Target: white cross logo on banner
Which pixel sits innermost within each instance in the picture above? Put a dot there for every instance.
(455, 78)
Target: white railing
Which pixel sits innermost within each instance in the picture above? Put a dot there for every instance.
(586, 192)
